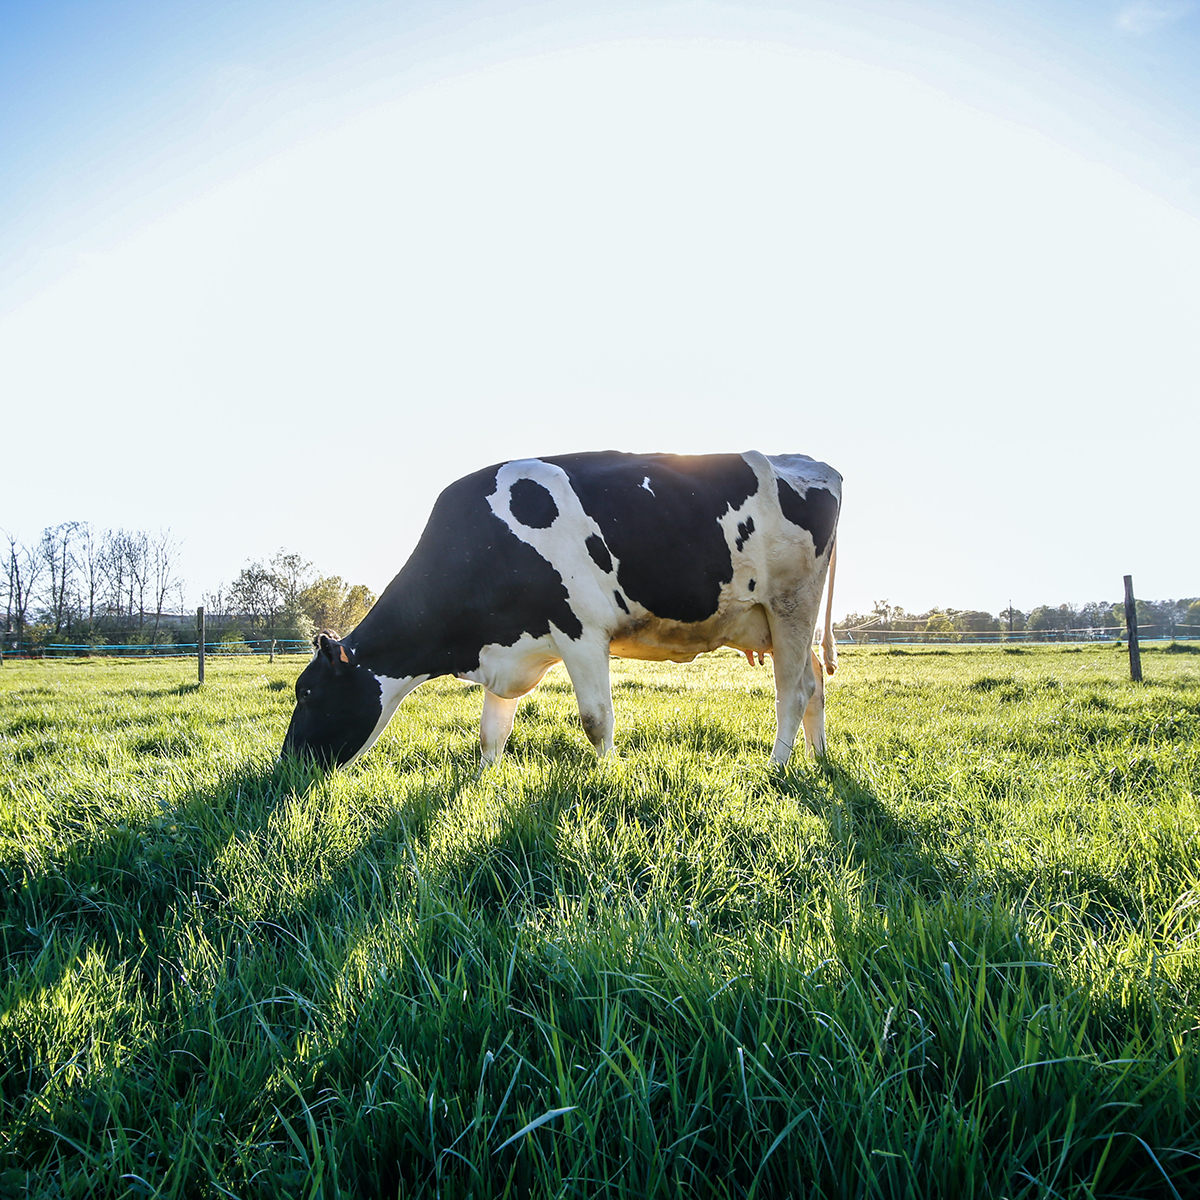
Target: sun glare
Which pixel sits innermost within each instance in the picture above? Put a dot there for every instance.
(649, 244)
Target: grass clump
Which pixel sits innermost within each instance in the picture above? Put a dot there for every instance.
(958, 958)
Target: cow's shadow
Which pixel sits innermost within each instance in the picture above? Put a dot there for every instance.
(117, 889)
(890, 851)
(525, 863)
(131, 898)
(900, 857)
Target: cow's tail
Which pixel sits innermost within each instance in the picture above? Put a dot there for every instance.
(828, 645)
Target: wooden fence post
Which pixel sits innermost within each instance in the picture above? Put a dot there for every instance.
(1135, 656)
(200, 641)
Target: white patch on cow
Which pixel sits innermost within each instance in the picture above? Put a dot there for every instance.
(646, 484)
(511, 671)
(391, 692)
(802, 472)
(563, 545)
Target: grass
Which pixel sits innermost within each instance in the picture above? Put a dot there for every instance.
(958, 959)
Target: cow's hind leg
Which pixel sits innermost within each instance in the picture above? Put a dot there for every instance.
(795, 685)
(587, 665)
(814, 713)
(496, 724)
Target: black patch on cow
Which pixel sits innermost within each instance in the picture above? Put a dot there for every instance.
(621, 601)
(532, 504)
(745, 529)
(752, 585)
(599, 552)
(816, 511)
(672, 552)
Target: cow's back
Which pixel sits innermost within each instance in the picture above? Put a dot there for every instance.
(659, 515)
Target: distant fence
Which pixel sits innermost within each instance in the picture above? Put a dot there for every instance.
(1109, 633)
(225, 649)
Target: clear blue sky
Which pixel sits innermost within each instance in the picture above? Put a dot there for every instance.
(951, 248)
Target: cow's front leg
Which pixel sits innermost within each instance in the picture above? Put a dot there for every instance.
(495, 724)
(587, 665)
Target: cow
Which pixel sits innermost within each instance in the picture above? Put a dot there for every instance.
(580, 557)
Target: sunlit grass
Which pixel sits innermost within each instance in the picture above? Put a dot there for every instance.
(957, 959)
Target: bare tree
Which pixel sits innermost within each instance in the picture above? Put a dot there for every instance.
(215, 603)
(90, 557)
(112, 571)
(9, 572)
(293, 574)
(58, 557)
(164, 554)
(136, 549)
(259, 593)
(24, 568)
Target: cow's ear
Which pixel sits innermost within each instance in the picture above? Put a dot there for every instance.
(333, 651)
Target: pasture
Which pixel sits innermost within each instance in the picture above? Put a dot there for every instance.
(958, 959)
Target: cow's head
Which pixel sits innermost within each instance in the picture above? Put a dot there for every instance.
(337, 705)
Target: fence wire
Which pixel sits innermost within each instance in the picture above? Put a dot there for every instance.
(223, 649)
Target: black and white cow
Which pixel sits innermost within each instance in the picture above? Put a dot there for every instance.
(579, 557)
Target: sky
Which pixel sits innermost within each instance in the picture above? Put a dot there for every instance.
(272, 275)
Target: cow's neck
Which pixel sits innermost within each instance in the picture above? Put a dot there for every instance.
(399, 637)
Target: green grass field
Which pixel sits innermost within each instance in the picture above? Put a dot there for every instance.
(957, 959)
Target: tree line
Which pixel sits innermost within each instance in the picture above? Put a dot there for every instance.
(80, 585)
(1097, 619)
